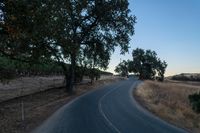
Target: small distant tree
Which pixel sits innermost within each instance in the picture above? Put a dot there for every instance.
(147, 65)
(122, 68)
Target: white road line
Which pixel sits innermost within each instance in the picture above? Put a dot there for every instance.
(103, 114)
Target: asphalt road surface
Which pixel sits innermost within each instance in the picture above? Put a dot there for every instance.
(110, 109)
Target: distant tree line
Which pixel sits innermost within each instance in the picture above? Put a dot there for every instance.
(76, 32)
(145, 64)
(186, 77)
(11, 69)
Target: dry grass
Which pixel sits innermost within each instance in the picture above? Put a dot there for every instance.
(169, 100)
(38, 107)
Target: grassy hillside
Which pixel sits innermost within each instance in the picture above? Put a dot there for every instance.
(187, 77)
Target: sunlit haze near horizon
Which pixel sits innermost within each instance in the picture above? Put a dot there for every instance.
(169, 27)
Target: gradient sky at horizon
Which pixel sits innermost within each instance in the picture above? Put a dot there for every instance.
(171, 28)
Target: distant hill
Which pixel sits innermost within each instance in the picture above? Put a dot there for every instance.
(187, 77)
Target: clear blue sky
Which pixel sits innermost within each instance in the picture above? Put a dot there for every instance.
(171, 28)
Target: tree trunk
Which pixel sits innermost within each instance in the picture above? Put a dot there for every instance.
(92, 80)
(71, 76)
(141, 76)
(83, 72)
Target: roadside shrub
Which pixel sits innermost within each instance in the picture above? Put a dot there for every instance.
(6, 75)
(195, 102)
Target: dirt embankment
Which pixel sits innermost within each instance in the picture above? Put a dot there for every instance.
(28, 85)
(169, 101)
(38, 107)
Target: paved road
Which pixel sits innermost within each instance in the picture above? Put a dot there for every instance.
(110, 109)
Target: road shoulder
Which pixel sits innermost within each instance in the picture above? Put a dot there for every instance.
(38, 107)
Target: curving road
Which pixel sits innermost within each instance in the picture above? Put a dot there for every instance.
(110, 109)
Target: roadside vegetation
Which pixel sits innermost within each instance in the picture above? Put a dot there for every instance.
(76, 38)
(145, 64)
(57, 37)
(195, 101)
(80, 33)
(38, 107)
(12, 69)
(193, 98)
(169, 100)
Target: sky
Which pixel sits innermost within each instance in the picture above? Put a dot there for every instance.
(169, 27)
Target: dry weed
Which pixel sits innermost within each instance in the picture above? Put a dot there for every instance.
(169, 100)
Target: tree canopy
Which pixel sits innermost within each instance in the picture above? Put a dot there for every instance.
(147, 64)
(122, 68)
(65, 31)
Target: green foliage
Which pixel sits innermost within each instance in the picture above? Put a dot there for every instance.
(10, 69)
(122, 68)
(15, 68)
(94, 74)
(195, 102)
(62, 30)
(6, 75)
(147, 65)
(23, 28)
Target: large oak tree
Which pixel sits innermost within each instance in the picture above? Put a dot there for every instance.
(147, 64)
(59, 30)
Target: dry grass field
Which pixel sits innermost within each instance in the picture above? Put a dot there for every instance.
(169, 101)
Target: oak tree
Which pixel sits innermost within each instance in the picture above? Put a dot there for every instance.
(122, 68)
(58, 30)
(147, 65)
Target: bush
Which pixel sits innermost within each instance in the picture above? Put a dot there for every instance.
(195, 101)
(6, 75)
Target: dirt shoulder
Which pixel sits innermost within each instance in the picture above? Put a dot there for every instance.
(39, 106)
(169, 101)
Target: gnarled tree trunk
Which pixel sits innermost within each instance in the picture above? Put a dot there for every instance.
(71, 75)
